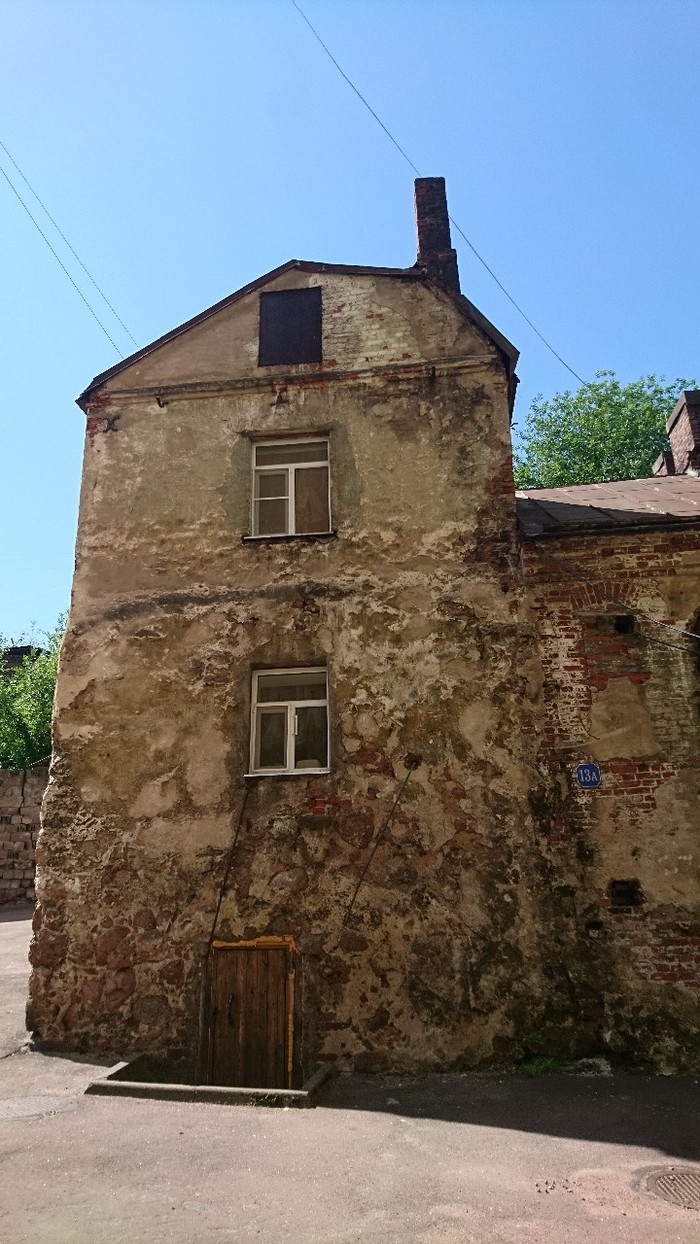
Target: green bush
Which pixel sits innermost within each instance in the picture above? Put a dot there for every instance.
(26, 702)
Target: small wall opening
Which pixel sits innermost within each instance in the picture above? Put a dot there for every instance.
(615, 624)
(623, 624)
(625, 893)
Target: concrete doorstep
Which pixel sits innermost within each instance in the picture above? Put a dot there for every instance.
(114, 1084)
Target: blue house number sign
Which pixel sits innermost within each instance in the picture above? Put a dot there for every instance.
(588, 776)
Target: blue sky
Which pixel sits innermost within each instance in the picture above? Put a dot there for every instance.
(187, 146)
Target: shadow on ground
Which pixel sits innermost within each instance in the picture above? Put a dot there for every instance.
(655, 1112)
(658, 1112)
(20, 911)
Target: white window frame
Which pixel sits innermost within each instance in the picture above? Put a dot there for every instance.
(290, 468)
(291, 725)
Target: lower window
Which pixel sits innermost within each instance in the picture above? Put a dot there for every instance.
(290, 721)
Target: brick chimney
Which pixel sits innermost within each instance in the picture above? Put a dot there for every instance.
(683, 427)
(435, 253)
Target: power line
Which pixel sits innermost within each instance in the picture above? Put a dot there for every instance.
(72, 250)
(58, 259)
(517, 306)
(352, 86)
(460, 231)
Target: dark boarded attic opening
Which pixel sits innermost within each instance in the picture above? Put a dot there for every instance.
(625, 893)
(290, 327)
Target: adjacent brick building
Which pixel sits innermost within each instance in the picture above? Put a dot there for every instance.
(323, 697)
(614, 577)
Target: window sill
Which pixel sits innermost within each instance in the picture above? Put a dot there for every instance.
(286, 773)
(306, 536)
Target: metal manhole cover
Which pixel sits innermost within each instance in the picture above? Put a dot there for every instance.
(678, 1185)
(33, 1107)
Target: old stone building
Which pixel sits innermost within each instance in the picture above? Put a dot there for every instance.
(322, 700)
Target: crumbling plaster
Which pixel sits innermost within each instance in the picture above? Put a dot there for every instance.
(416, 607)
(483, 918)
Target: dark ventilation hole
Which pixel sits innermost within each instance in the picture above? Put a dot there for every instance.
(290, 327)
(623, 624)
(625, 894)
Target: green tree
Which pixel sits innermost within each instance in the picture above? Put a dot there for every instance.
(26, 702)
(605, 431)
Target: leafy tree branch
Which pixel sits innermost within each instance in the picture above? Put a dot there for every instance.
(605, 431)
(26, 701)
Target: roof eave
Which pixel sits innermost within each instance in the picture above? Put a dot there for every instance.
(664, 522)
(506, 347)
(509, 353)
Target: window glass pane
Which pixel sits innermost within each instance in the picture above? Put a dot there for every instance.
(271, 751)
(271, 483)
(299, 451)
(311, 742)
(287, 688)
(270, 518)
(311, 499)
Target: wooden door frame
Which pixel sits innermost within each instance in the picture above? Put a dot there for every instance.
(270, 941)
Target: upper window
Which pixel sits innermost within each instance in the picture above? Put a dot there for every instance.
(290, 327)
(290, 721)
(291, 488)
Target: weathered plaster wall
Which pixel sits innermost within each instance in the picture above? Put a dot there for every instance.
(485, 916)
(417, 611)
(20, 806)
(630, 702)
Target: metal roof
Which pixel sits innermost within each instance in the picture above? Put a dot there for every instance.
(631, 503)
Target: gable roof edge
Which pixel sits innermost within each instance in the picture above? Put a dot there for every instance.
(103, 376)
(459, 301)
(506, 349)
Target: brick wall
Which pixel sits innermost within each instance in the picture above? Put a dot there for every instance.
(624, 693)
(683, 428)
(663, 944)
(21, 794)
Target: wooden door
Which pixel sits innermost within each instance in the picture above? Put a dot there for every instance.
(251, 1016)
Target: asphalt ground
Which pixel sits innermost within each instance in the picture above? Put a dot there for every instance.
(556, 1159)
